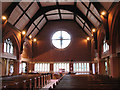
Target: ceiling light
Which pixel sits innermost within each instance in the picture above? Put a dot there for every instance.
(23, 32)
(88, 38)
(4, 18)
(103, 13)
(93, 30)
(30, 36)
(34, 39)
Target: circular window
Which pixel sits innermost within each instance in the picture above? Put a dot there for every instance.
(61, 39)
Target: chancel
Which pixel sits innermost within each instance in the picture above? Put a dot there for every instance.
(60, 45)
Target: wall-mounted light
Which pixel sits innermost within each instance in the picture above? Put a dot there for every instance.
(103, 13)
(4, 17)
(93, 30)
(91, 34)
(30, 36)
(34, 39)
(88, 38)
(23, 32)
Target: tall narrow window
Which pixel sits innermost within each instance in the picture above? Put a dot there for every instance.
(11, 69)
(93, 68)
(82, 68)
(59, 66)
(87, 66)
(61, 39)
(105, 46)
(8, 46)
(42, 67)
(106, 67)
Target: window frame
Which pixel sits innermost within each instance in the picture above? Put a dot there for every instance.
(8, 46)
(61, 39)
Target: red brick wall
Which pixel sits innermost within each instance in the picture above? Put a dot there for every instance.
(79, 48)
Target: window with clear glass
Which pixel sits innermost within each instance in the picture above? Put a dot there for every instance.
(106, 66)
(58, 66)
(105, 45)
(8, 46)
(11, 69)
(24, 67)
(42, 67)
(93, 68)
(20, 68)
(61, 39)
(81, 67)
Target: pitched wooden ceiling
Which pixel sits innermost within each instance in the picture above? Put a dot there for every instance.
(32, 16)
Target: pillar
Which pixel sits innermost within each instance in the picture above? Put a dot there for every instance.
(7, 66)
(90, 66)
(115, 66)
(71, 67)
(30, 67)
(51, 67)
(16, 67)
(38, 82)
(41, 81)
(51, 70)
(108, 66)
(96, 68)
(102, 67)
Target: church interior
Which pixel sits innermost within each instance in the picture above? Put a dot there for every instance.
(60, 45)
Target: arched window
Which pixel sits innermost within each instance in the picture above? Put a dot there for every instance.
(105, 46)
(8, 46)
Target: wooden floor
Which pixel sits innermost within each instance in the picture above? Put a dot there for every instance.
(68, 82)
(87, 82)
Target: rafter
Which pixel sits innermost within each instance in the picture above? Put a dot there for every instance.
(87, 14)
(65, 7)
(91, 12)
(75, 4)
(99, 7)
(9, 10)
(22, 13)
(40, 6)
(36, 26)
(58, 10)
(82, 28)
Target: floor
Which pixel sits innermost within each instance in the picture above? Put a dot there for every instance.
(86, 82)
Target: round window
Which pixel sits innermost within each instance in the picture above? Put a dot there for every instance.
(61, 39)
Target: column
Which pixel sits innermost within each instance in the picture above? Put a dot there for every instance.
(90, 67)
(51, 67)
(0, 67)
(51, 70)
(115, 66)
(16, 67)
(7, 66)
(108, 66)
(102, 67)
(30, 67)
(71, 67)
(96, 68)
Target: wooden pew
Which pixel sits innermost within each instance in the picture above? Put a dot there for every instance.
(38, 82)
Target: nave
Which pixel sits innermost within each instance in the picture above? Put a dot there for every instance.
(66, 82)
(60, 44)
